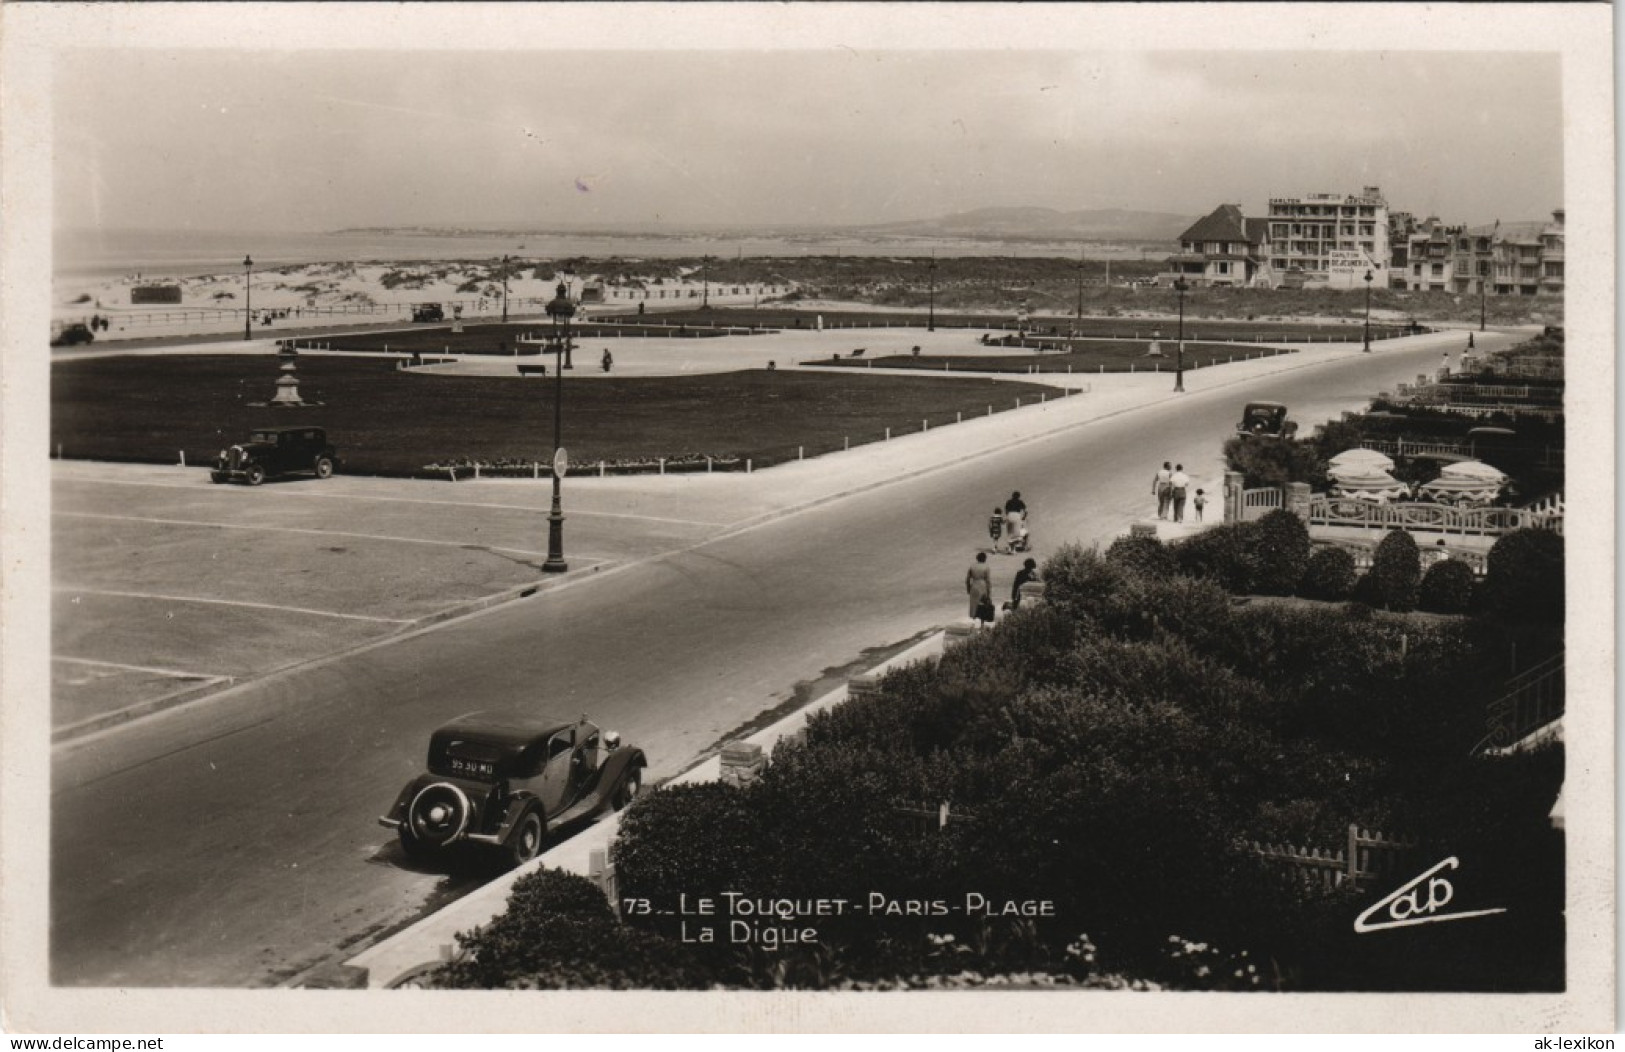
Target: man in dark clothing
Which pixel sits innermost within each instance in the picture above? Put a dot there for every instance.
(1028, 572)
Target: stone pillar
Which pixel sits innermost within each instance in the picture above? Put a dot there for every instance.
(1232, 496)
(1297, 500)
(742, 763)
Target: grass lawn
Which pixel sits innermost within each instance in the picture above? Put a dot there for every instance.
(389, 422)
(1117, 328)
(1094, 357)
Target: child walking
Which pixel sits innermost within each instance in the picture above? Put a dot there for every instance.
(1199, 503)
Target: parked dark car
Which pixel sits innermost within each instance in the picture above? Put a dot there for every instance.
(1266, 420)
(73, 335)
(428, 312)
(501, 781)
(276, 451)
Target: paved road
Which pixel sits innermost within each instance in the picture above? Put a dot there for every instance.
(234, 843)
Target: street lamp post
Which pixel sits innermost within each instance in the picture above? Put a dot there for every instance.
(1368, 312)
(504, 290)
(705, 279)
(1080, 284)
(1483, 285)
(248, 297)
(931, 296)
(560, 309)
(1180, 285)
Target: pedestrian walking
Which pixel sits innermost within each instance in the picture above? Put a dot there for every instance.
(1162, 488)
(1015, 521)
(1199, 503)
(608, 360)
(995, 529)
(1177, 485)
(979, 586)
(1027, 573)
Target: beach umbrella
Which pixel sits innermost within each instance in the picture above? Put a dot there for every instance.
(1362, 458)
(1475, 470)
(1463, 491)
(1376, 486)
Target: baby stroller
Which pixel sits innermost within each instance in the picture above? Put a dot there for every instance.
(1015, 527)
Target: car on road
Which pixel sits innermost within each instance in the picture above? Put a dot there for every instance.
(1266, 420)
(73, 335)
(500, 781)
(428, 312)
(276, 451)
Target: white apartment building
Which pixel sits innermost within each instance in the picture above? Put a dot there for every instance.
(1330, 240)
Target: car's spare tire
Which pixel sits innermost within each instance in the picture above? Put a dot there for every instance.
(438, 814)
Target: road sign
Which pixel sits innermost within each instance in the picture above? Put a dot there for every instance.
(561, 462)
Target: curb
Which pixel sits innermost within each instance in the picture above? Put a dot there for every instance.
(397, 959)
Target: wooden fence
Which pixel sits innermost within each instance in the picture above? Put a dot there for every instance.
(1365, 857)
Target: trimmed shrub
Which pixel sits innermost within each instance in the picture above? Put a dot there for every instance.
(1146, 556)
(1275, 461)
(1447, 588)
(1396, 569)
(685, 837)
(1281, 553)
(1525, 578)
(1329, 574)
(1225, 554)
(558, 932)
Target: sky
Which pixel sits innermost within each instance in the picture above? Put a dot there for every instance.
(296, 140)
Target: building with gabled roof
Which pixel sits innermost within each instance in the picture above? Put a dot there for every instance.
(1224, 248)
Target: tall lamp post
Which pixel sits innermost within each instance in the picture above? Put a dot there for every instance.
(1080, 284)
(1368, 312)
(504, 289)
(248, 297)
(561, 310)
(931, 295)
(1180, 285)
(1483, 284)
(705, 278)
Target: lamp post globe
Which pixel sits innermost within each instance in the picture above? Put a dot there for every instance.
(561, 310)
(248, 297)
(1180, 286)
(1368, 312)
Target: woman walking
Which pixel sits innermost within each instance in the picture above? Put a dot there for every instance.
(979, 586)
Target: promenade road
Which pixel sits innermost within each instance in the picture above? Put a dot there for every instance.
(233, 841)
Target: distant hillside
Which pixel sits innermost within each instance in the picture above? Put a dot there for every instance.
(1103, 224)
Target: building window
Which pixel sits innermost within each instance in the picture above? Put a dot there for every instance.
(1438, 269)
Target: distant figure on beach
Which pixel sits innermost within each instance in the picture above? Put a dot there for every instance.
(608, 360)
(640, 306)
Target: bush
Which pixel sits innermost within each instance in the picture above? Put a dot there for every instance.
(1146, 556)
(1330, 574)
(1225, 554)
(1275, 461)
(1525, 578)
(1396, 568)
(689, 837)
(1281, 553)
(558, 932)
(1447, 588)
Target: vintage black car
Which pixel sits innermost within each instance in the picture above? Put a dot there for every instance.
(73, 335)
(1266, 420)
(500, 781)
(428, 312)
(276, 451)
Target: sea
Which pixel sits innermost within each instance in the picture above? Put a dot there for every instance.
(94, 255)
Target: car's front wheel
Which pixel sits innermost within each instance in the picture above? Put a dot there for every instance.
(525, 843)
(629, 788)
(324, 467)
(256, 474)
